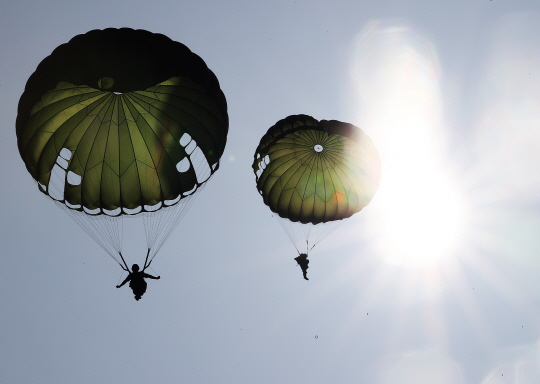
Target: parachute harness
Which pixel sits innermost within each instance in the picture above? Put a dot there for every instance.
(306, 236)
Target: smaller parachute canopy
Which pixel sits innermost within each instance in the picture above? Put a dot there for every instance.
(311, 171)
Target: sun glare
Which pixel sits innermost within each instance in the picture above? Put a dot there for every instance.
(448, 217)
(418, 213)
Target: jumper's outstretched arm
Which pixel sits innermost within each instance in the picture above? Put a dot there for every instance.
(125, 281)
(152, 277)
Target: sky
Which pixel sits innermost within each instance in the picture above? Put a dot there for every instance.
(435, 281)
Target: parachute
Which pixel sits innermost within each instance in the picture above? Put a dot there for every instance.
(119, 123)
(313, 174)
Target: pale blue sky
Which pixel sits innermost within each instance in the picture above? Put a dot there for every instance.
(450, 93)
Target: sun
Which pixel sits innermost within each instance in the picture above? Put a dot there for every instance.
(419, 217)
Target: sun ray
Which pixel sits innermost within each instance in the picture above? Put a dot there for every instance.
(419, 210)
(449, 217)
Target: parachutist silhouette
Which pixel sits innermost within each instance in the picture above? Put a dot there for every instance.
(110, 64)
(303, 263)
(291, 163)
(136, 281)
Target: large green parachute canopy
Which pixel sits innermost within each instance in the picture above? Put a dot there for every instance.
(124, 112)
(315, 172)
(121, 121)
